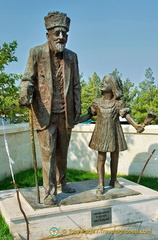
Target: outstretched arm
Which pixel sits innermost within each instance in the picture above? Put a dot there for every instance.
(137, 126)
(85, 117)
(91, 112)
(124, 112)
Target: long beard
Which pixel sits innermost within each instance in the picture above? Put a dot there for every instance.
(59, 47)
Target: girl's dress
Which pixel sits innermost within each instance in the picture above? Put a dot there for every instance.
(108, 134)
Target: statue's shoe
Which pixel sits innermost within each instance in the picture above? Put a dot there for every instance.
(100, 190)
(115, 184)
(67, 189)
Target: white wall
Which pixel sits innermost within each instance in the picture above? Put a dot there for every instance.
(131, 161)
(80, 155)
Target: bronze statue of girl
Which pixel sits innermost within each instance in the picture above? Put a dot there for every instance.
(108, 134)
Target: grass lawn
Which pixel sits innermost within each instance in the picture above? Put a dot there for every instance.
(26, 179)
(4, 230)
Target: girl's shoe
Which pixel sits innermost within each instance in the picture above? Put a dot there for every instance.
(100, 190)
(115, 184)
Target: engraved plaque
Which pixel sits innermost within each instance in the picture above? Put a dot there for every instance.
(101, 216)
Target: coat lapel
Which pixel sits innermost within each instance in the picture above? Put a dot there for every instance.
(48, 69)
(67, 69)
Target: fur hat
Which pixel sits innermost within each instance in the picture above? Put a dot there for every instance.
(57, 19)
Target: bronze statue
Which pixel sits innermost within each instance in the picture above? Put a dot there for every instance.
(51, 85)
(108, 134)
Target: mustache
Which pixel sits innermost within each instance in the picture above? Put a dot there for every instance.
(60, 42)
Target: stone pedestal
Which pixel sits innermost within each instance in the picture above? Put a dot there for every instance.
(81, 212)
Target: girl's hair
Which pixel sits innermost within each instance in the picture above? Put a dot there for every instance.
(115, 83)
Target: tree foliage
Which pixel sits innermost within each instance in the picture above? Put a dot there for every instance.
(129, 92)
(147, 98)
(9, 93)
(89, 91)
(116, 73)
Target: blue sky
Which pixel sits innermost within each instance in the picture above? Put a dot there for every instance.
(105, 34)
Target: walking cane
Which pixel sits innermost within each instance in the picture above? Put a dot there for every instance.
(34, 154)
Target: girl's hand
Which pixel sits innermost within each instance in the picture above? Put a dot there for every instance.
(139, 128)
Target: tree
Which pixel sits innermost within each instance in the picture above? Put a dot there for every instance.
(89, 91)
(147, 98)
(149, 80)
(116, 73)
(9, 93)
(82, 81)
(129, 92)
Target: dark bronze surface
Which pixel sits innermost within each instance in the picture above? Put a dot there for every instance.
(51, 85)
(108, 135)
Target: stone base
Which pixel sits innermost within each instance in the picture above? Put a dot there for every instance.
(85, 192)
(78, 212)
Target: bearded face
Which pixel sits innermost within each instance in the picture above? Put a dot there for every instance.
(58, 38)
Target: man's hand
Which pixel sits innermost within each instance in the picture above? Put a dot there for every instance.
(77, 118)
(25, 101)
(26, 94)
(24, 105)
(85, 117)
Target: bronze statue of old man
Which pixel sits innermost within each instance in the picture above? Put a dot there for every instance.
(51, 86)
